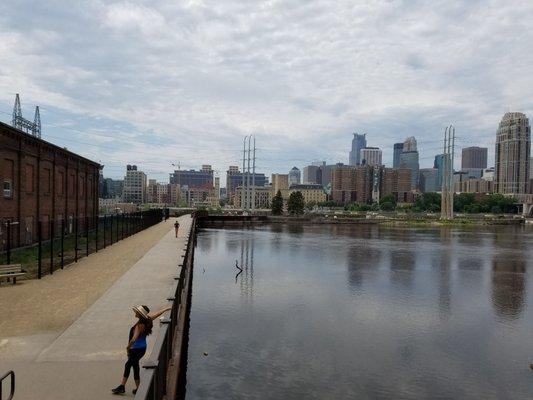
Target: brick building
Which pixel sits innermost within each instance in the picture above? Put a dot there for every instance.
(43, 182)
(364, 184)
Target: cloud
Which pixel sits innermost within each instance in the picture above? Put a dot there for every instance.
(186, 80)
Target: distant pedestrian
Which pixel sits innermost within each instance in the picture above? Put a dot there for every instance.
(176, 227)
(137, 345)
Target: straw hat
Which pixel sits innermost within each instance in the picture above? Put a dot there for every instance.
(142, 311)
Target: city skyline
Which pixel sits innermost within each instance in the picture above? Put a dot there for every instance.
(199, 90)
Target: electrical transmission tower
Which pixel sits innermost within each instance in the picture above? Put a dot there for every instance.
(33, 128)
(248, 193)
(446, 207)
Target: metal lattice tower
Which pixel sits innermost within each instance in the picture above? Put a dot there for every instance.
(446, 208)
(19, 122)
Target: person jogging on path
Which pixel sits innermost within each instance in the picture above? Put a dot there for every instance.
(176, 227)
(137, 345)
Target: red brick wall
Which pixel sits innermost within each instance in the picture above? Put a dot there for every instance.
(48, 182)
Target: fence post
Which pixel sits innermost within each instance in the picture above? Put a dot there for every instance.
(111, 229)
(8, 252)
(97, 224)
(39, 249)
(51, 246)
(118, 220)
(87, 237)
(105, 222)
(122, 226)
(76, 239)
(62, 243)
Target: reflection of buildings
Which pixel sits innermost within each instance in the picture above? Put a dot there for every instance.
(402, 264)
(361, 261)
(246, 278)
(508, 287)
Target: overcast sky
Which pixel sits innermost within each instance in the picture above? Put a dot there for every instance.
(158, 83)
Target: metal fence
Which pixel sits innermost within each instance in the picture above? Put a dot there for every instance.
(61, 242)
(3, 378)
(162, 370)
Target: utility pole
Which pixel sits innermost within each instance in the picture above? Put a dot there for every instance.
(253, 181)
(447, 179)
(243, 205)
(248, 176)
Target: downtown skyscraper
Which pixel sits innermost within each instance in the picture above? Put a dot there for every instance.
(358, 143)
(512, 156)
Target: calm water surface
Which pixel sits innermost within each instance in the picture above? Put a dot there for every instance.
(362, 312)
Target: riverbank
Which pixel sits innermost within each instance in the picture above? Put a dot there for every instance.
(358, 219)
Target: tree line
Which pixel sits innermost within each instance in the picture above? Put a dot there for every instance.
(426, 202)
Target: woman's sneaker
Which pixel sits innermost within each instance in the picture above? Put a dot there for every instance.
(120, 389)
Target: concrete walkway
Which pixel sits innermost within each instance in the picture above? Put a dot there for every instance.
(86, 360)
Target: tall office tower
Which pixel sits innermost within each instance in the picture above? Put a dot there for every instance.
(134, 189)
(409, 144)
(409, 159)
(428, 180)
(438, 164)
(474, 157)
(312, 174)
(398, 149)
(294, 176)
(358, 143)
(371, 156)
(513, 147)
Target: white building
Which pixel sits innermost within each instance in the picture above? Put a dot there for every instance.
(371, 156)
(134, 190)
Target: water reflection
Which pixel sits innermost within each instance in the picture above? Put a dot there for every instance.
(508, 287)
(361, 312)
(245, 278)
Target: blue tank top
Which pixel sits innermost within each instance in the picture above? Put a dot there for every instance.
(140, 342)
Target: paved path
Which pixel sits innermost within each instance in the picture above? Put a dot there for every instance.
(85, 360)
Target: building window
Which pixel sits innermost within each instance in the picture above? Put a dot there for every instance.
(8, 189)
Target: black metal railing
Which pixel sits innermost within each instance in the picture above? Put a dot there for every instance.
(154, 381)
(12, 387)
(63, 241)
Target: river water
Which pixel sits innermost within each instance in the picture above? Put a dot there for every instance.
(362, 312)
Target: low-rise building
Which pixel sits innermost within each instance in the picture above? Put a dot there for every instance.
(312, 193)
(263, 197)
(474, 186)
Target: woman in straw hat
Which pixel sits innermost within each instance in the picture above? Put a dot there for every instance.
(137, 344)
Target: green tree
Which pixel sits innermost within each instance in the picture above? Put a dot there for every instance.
(427, 202)
(387, 203)
(463, 202)
(277, 204)
(295, 205)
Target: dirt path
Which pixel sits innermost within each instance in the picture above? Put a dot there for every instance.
(54, 302)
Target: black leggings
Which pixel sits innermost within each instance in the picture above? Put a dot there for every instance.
(134, 355)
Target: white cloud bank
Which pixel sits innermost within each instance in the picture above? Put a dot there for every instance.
(159, 82)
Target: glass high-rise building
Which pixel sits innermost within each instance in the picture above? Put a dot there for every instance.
(439, 166)
(513, 148)
(294, 176)
(358, 143)
(409, 159)
(398, 149)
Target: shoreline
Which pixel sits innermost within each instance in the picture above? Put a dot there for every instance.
(239, 220)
